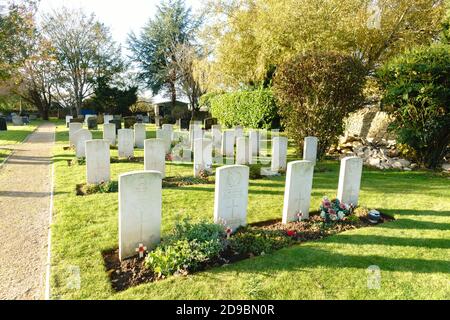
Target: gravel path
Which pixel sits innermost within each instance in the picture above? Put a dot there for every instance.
(25, 182)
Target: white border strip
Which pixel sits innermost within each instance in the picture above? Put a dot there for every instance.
(50, 221)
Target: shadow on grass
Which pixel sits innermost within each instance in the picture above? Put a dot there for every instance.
(300, 257)
(406, 212)
(402, 223)
(390, 241)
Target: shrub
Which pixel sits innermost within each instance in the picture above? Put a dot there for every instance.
(254, 241)
(416, 92)
(250, 108)
(255, 171)
(315, 92)
(187, 248)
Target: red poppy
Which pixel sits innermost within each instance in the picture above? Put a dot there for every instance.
(291, 233)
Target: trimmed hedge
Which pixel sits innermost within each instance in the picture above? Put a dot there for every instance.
(249, 108)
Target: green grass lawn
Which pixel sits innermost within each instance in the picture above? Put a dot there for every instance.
(15, 134)
(412, 252)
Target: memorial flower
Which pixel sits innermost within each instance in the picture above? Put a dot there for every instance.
(334, 210)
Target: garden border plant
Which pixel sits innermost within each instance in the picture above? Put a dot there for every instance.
(193, 247)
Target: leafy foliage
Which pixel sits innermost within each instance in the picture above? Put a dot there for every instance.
(315, 92)
(258, 241)
(417, 94)
(187, 248)
(251, 37)
(111, 99)
(250, 108)
(16, 29)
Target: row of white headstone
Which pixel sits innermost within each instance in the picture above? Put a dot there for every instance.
(140, 199)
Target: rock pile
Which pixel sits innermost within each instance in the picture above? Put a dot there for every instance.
(381, 154)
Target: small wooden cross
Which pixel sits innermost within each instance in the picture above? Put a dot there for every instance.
(141, 249)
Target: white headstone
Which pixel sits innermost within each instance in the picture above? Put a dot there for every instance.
(238, 132)
(228, 143)
(140, 202)
(126, 143)
(155, 156)
(297, 193)
(231, 196)
(242, 151)
(216, 131)
(74, 127)
(167, 127)
(97, 161)
(253, 137)
(195, 132)
(350, 180)
(107, 118)
(17, 120)
(68, 118)
(202, 156)
(80, 137)
(109, 133)
(279, 153)
(310, 149)
(139, 135)
(165, 136)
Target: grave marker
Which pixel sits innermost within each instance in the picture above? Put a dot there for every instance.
(202, 156)
(80, 137)
(350, 180)
(74, 127)
(310, 149)
(126, 143)
(140, 203)
(231, 196)
(242, 151)
(139, 135)
(297, 194)
(279, 153)
(97, 161)
(155, 156)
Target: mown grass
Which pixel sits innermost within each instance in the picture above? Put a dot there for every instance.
(413, 252)
(14, 135)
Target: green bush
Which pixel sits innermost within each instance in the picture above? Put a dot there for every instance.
(416, 92)
(188, 246)
(257, 241)
(255, 171)
(315, 92)
(249, 108)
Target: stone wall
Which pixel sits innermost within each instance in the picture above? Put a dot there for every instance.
(369, 123)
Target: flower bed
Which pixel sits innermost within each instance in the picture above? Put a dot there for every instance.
(195, 247)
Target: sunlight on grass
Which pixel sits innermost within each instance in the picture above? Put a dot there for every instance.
(412, 252)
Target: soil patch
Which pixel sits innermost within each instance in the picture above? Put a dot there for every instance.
(132, 272)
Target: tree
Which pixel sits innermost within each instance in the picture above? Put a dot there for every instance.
(16, 27)
(155, 50)
(112, 99)
(416, 92)
(85, 52)
(315, 92)
(37, 77)
(186, 57)
(252, 37)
